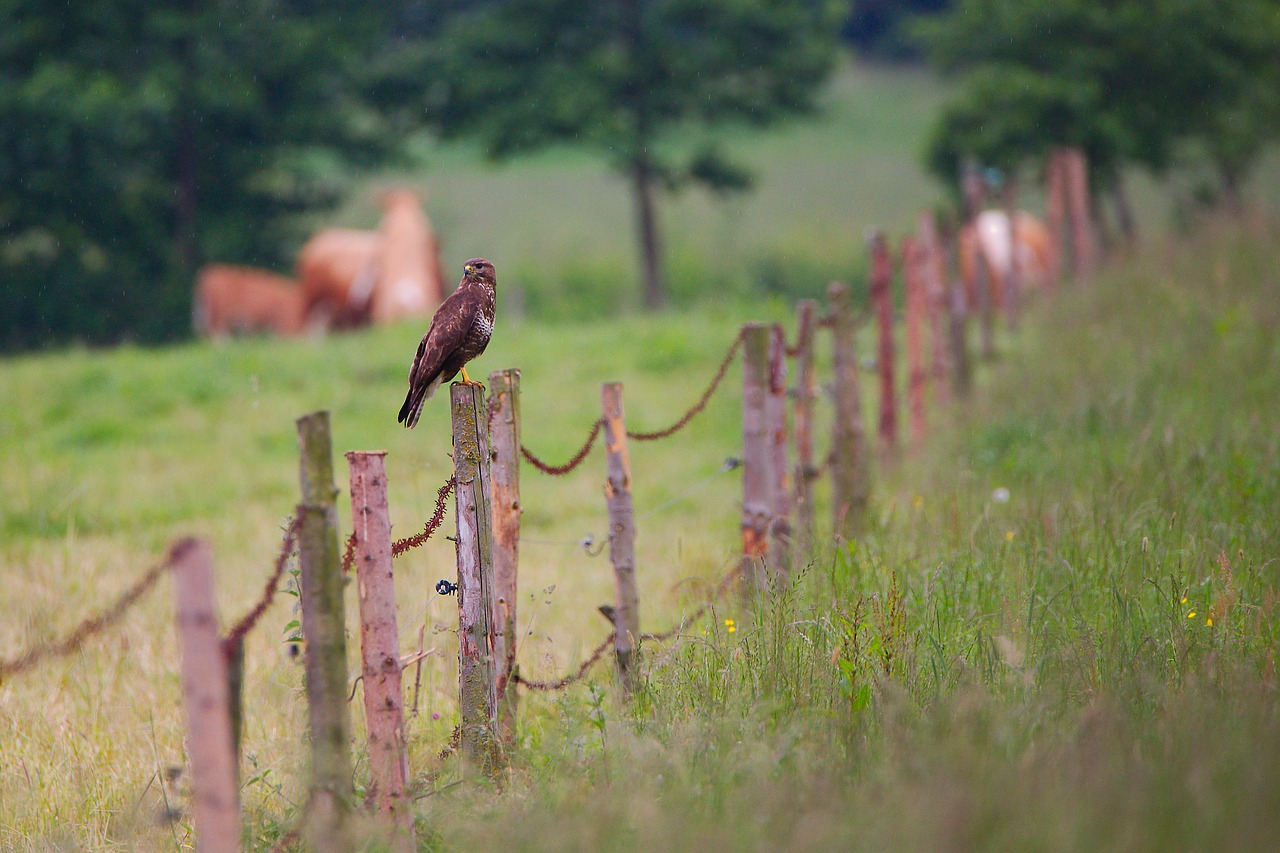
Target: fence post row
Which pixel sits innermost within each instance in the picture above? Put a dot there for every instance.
(622, 534)
(477, 686)
(779, 548)
(1077, 185)
(958, 304)
(1013, 284)
(206, 695)
(380, 647)
(806, 392)
(323, 626)
(756, 506)
(913, 278)
(850, 470)
(504, 452)
(882, 297)
(934, 272)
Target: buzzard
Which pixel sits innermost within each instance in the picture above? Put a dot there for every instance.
(459, 331)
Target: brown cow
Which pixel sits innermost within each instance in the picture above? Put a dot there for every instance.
(991, 229)
(338, 269)
(246, 300)
(410, 283)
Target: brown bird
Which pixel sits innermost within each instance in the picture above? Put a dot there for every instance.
(459, 331)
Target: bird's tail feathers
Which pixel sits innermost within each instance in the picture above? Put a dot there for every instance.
(412, 408)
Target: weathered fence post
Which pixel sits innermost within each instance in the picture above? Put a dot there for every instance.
(779, 553)
(504, 450)
(958, 314)
(756, 505)
(935, 278)
(850, 471)
(806, 391)
(206, 697)
(1055, 195)
(983, 286)
(479, 741)
(882, 298)
(323, 627)
(1083, 244)
(913, 275)
(1012, 289)
(622, 535)
(380, 647)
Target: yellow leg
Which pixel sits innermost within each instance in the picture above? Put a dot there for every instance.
(467, 380)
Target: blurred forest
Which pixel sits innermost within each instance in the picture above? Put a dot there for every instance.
(138, 141)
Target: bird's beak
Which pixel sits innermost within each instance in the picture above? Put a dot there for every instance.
(467, 268)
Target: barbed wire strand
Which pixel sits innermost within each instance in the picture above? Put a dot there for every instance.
(598, 652)
(698, 406)
(574, 461)
(247, 622)
(564, 682)
(402, 545)
(87, 628)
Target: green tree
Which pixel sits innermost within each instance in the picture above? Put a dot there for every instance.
(1131, 82)
(139, 140)
(627, 77)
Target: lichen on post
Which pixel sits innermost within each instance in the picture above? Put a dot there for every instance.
(323, 633)
(478, 739)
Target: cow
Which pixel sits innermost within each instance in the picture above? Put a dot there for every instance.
(410, 283)
(991, 230)
(246, 300)
(338, 269)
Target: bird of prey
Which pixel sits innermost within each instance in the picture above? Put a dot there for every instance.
(459, 331)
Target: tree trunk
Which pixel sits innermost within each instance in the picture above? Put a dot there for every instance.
(655, 293)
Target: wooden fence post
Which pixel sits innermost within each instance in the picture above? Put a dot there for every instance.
(806, 391)
(850, 471)
(1055, 194)
(622, 535)
(913, 276)
(205, 694)
(935, 278)
(1083, 243)
(504, 451)
(882, 298)
(756, 505)
(323, 627)
(958, 319)
(380, 648)
(779, 553)
(983, 286)
(1013, 284)
(479, 741)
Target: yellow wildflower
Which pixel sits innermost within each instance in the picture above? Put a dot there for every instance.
(1008, 536)
(1191, 615)
(1209, 621)
(730, 626)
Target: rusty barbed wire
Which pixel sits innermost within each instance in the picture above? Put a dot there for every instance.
(698, 406)
(574, 462)
(550, 686)
(598, 652)
(247, 622)
(402, 545)
(87, 628)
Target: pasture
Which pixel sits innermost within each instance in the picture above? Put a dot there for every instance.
(1087, 664)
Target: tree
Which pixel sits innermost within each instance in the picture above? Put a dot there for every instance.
(1130, 82)
(142, 139)
(626, 77)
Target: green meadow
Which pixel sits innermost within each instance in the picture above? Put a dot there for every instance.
(1057, 632)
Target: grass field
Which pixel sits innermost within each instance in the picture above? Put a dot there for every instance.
(1089, 664)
